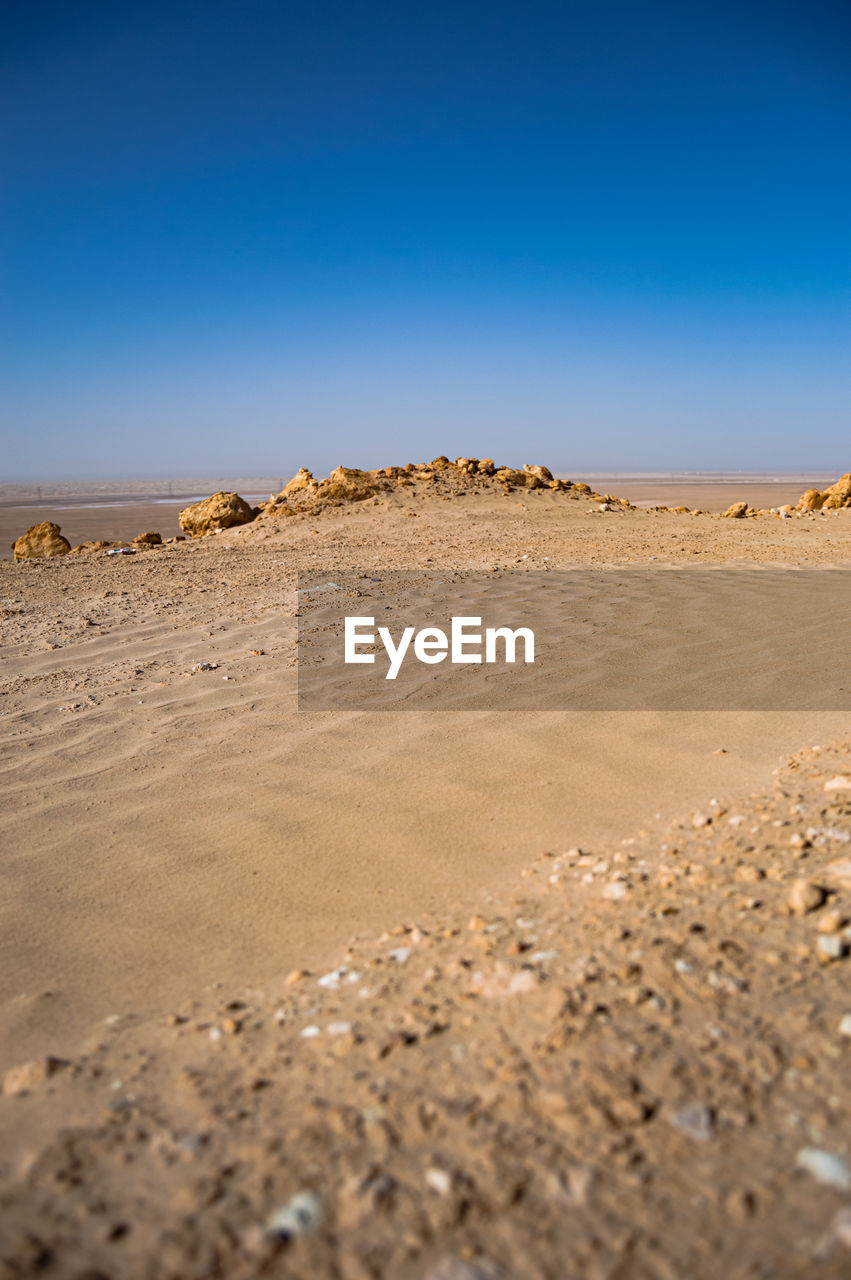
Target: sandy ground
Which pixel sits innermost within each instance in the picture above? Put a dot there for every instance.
(166, 829)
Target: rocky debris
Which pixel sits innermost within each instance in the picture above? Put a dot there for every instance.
(44, 539)
(221, 511)
(99, 544)
(558, 1085)
(838, 495)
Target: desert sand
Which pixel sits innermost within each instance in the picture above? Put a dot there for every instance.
(608, 1066)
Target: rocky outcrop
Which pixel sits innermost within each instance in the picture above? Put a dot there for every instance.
(831, 499)
(43, 539)
(439, 478)
(738, 511)
(221, 511)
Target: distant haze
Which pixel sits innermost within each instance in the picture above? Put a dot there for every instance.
(240, 238)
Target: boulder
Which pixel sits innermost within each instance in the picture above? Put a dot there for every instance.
(738, 511)
(487, 466)
(440, 464)
(221, 511)
(43, 539)
(543, 473)
(149, 539)
(831, 499)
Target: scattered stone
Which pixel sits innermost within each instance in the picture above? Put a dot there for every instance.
(31, 1075)
(695, 1120)
(842, 1226)
(829, 947)
(832, 921)
(297, 1218)
(845, 1025)
(331, 980)
(438, 1180)
(741, 1205)
(827, 1168)
(504, 982)
(805, 896)
(840, 782)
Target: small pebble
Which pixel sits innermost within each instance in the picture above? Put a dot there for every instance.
(438, 1180)
(842, 1227)
(694, 1120)
(301, 1215)
(825, 1167)
(805, 896)
(829, 946)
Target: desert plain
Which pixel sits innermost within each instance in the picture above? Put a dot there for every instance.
(439, 994)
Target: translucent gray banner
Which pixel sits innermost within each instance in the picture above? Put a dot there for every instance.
(693, 638)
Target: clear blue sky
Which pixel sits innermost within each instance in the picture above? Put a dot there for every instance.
(238, 237)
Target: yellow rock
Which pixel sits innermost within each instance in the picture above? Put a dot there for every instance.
(221, 511)
(43, 539)
(350, 484)
(303, 479)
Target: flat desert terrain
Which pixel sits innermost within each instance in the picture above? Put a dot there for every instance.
(454, 994)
